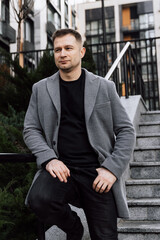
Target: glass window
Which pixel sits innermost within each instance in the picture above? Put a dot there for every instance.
(143, 55)
(100, 27)
(142, 35)
(110, 27)
(151, 20)
(153, 53)
(134, 23)
(57, 3)
(95, 40)
(54, 18)
(144, 72)
(3, 12)
(143, 21)
(151, 34)
(146, 21)
(57, 20)
(73, 21)
(88, 41)
(112, 24)
(28, 31)
(50, 46)
(110, 38)
(88, 28)
(66, 11)
(147, 34)
(150, 71)
(88, 25)
(50, 16)
(94, 49)
(101, 39)
(94, 27)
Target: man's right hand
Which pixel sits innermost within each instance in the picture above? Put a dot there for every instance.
(58, 169)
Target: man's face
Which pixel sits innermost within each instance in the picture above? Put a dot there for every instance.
(68, 53)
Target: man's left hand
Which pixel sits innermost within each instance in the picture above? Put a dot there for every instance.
(104, 181)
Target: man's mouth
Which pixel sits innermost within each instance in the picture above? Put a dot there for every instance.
(64, 62)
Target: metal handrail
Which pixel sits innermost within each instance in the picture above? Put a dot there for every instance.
(118, 59)
(16, 157)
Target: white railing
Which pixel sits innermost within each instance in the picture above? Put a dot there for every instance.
(118, 59)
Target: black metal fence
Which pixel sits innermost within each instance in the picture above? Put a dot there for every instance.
(31, 59)
(132, 83)
(141, 60)
(139, 63)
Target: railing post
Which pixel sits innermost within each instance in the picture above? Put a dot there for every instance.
(152, 69)
(130, 70)
(148, 82)
(125, 76)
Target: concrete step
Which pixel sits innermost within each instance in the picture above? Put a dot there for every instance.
(145, 209)
(149, 127)
(143, 189)
(147, 154)
(148, 139)
(139, 230)
(150, 116)
(146, 188)
(145, 170)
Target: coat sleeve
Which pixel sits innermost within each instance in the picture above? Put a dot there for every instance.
(124, 136)
(33, 133)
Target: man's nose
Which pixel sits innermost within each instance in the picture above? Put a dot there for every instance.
(63, 53)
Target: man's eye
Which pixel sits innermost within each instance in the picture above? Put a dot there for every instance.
(57, 50)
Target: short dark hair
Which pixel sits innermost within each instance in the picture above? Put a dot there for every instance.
(65, 31)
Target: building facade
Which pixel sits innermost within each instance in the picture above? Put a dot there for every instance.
(7, 33)
(134, 21)
(55, 15)
(45, 18)
(37, 27)
(124, 19)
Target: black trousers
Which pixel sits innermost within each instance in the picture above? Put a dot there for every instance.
(49, 200)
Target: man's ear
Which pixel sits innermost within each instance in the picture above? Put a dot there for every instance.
(83, 51)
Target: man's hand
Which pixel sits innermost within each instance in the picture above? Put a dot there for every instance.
(58, 169)
(104, 180)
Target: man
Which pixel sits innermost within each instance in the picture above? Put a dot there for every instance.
(82, 138)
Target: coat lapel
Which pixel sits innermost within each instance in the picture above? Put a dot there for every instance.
(53, 90)
(91, 89)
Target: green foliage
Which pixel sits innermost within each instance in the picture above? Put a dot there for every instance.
(17, 84)
(11, 126)
(15, 89)
(16, 221)
(13, 118)
(87, 61)
(46, 66)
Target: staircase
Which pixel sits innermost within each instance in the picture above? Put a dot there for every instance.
(143, 189)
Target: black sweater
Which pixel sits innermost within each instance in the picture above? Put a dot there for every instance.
(73, 145)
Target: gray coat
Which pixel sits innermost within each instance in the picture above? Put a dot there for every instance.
(109, 129)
